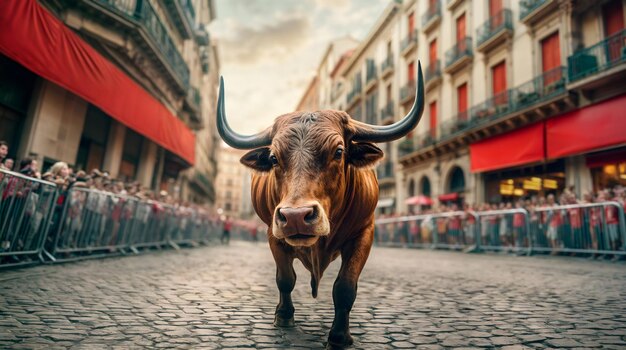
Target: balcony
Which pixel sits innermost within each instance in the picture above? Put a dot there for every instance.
(452, 4)
(353, 96)
(433, 75)
(422, 141)
(496, 30)
(386, 68)
(432, 17)
(386, 114)
(370, 116)
(203, 183)
(183, 16)
(371, 76)
(459, 55)
(409, 43)
(542, 96)
(357, 113)
(532, 11)
(143, 15)
(407, 92)
(385, 171)
(602, 60)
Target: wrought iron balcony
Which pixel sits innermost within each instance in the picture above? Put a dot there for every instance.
(370, 115)
(371, 73)
(387, 66)
(459, 53)
(432, 15)
(385, 170)
(541, 88)
(408, 43)
(526, 7)
(433, 71)
(182, 14)
(496, 27)
(386, 113)
(407, 92)
(602, 56)
(143, 14)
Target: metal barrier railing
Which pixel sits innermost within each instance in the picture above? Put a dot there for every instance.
(595, 228)
(25, 212)
(450, 230)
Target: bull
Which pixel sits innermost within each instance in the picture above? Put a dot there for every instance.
(315, 187)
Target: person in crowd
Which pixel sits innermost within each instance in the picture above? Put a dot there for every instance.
(225, 239)
(454, 226)
(29, 167)
(4, 151)
(554, 223)
(519, 232)
(7, 164)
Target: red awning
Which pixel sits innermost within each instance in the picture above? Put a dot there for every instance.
(521, 146)
(35, 38)
(419, 200)
(448, 197)
(591, 128)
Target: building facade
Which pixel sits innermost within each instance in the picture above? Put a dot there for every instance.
(523, 98)
(233, 186)
(129, 88)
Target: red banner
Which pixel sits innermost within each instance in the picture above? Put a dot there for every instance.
(36, 39)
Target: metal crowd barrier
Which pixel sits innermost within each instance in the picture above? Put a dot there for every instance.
(594, 228)
(449, 230)
(25, 214)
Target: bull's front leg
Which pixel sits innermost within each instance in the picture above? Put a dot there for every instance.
(353, 258)
(285, 280)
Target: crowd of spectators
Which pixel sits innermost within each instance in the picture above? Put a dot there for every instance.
(555, 223)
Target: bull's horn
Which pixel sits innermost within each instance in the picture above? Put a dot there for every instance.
(232, 138)
(377, 133)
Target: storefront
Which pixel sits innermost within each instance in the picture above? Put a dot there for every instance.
(510, 185)
(608, 168)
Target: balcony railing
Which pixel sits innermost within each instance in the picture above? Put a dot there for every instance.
(422, 140)
(387, 112)
(190, 13)
(357, 113)
(387, 64)
(143, 13)
(195, 97)
(594, 59)
(501, 21)
(411, 39)
(541, 88)
(461, 49)
(433, 71)
(370, 116)
(493, 107)
(407, 91)
(432, 13)
(371, 74)
(385, 170)
(526, 7)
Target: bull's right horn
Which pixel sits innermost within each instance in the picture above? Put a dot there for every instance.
(232, 138)
(377, 133)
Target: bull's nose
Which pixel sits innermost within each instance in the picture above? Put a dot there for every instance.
(296, 220)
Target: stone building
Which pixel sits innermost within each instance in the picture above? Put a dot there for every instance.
(523, 98)
(233, 185)
(124, 86)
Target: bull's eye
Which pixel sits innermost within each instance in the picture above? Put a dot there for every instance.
(339, 153)
(274, 160)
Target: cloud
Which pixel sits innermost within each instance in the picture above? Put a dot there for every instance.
(333, 4)
(248, 44)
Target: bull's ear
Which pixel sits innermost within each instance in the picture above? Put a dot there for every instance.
(364, 154)
(257, 159)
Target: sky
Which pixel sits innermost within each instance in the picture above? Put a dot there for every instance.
(269, 50)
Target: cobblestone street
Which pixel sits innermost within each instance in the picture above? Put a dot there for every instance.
(224, 297)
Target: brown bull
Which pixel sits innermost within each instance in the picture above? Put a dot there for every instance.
(316, 189)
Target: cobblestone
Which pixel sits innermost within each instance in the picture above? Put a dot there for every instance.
(224, 297)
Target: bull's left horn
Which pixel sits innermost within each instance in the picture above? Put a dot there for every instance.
(232, 138)
(377, 133)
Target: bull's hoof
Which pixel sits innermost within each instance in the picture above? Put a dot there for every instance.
(284, 322)
(339, 340)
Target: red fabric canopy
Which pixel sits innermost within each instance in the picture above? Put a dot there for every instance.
(419, 200)
(448, 197)
(595, 127)
(521, 146)
(35, 38)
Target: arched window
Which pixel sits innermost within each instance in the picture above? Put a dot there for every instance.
(425, 186)
(457, 180)
(411, 188)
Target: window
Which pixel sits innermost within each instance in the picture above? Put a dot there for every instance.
(432, 51)
(613, 15)
(551, 59)
(411, 23)
(498, 83)
(433, 119)
(461, 93)
(460, 31)
(411, 72)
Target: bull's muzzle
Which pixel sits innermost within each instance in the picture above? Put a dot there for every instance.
(300, 225)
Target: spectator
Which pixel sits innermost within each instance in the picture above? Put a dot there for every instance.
(7, 164)
(28, 167)
(4, 151)
(225, 239)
